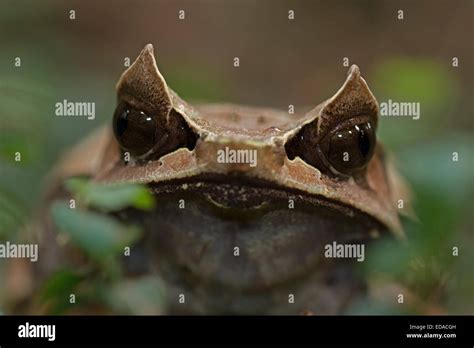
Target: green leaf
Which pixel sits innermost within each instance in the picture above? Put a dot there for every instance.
(111, 197)
(76, 185)
(57, 288)
(98, 235)
(59, 284)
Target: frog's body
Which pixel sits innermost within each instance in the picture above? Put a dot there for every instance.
(249, 235)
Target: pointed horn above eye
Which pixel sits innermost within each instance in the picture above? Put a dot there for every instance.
(353, 99)
(353, 72)
(143, 81)
(353, 92)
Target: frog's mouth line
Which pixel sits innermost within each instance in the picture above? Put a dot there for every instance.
(239, 198)
(192, 246)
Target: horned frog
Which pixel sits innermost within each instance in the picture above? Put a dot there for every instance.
(250, 237)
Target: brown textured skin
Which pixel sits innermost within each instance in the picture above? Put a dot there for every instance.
(240, 127)
(328, 208)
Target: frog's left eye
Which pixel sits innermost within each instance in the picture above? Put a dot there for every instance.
(149, 136)
(342, 151)
(348, 149)
(134, 129)
(340, 138)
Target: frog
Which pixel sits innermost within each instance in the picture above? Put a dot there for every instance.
(248, 199)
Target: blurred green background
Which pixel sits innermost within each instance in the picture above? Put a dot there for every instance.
(282, 62)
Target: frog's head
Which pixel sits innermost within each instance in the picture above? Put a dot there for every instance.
(249, 197)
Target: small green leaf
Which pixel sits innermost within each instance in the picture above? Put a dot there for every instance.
(98, 235)
(56, 290)
(59, 284)
(111, 197)
(76, 185)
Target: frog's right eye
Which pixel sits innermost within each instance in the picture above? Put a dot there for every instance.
(134, 129)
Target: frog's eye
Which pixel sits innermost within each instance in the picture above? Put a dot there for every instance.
(348, 149)
(146, 123)
(134, 129)
(339, 138)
